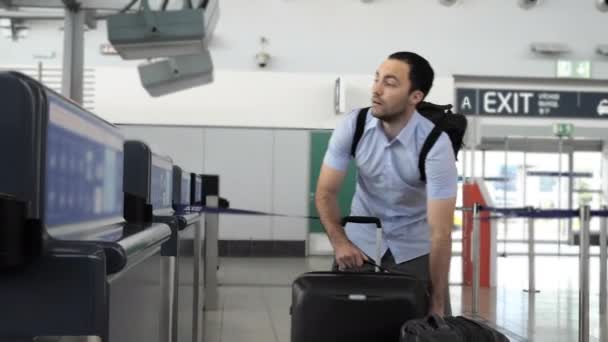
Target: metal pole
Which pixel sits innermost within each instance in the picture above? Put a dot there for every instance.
(560, 147)
(532, 312)
(197, 304)
(464, 167)
(531, 271)
(167, 283)
(603, 280)
(474, 149)
(378, 248)
(73, 55)
(175, 309)
(483, 164)
(570, 187)
(525, 179)
(531, 258)
(40, 72)
(211, 296)
(583, 310)
(504, 194)
(475, 257)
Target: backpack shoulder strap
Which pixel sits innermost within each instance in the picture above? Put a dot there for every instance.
(359, 129)
(431, 139)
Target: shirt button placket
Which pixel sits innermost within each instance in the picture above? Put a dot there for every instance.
(387, 177)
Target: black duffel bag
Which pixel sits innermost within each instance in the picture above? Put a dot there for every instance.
(449, 329)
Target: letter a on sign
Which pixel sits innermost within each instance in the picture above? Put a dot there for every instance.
(466, 101)
(466, 104)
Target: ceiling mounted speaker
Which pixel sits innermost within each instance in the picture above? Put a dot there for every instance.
(550, 48)
(527, 4)
(448, 2)
(602, 5)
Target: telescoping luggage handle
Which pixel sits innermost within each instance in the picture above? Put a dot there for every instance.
(369, 220)
(362, 219)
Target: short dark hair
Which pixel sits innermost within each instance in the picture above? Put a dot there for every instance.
(421, 72)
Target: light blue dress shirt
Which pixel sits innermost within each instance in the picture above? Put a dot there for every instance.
(388, 183)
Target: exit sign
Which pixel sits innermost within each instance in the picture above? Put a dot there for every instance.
(574, 69)
(563, 130)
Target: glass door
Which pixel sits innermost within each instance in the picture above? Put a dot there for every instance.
(548, 187)
(504, 172)
(537, 175)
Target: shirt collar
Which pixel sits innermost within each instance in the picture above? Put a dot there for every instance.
(406, 132)
(372, 122)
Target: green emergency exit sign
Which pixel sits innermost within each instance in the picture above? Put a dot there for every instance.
(563, 130)
(573, 69)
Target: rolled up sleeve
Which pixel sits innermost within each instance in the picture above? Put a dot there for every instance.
(338, 155)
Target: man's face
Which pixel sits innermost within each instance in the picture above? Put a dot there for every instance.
(391, 91)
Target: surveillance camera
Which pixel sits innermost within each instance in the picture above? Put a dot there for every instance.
(602, 50)
(262, 59)
(602, 5)
(176, 74)
(527, 4)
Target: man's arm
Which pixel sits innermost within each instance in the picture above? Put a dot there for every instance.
(326, 200)
(333, 171)
(442, 187)
(440, 219)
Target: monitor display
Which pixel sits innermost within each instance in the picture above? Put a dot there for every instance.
(199, 189)
(84, 166)
(185, 189)
(161, 186)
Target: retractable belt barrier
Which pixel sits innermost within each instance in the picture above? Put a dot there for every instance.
(584, 214)
(238, 211)
(530, 212)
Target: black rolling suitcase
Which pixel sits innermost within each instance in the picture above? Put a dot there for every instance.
(449, 329)
(355, 307)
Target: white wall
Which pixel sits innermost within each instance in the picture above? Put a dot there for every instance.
(185, 145)
(244, 99)
(291, 179)
(260, 169)
(241, 99)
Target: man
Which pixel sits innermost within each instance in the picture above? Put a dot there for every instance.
(417, 218)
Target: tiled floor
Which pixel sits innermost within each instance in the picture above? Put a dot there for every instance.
(256, 295)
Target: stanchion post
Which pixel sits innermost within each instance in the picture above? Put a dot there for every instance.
(506, 179)
(560, 146)
(475, 257)
(199, 284)
(603, 280)
(583, 310)
(531, 257)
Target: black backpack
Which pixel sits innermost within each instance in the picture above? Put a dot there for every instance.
(455, 125)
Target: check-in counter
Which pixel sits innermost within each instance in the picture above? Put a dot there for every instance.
(181, 312)
(70, 264)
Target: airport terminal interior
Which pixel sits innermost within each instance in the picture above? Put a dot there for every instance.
(161, 162)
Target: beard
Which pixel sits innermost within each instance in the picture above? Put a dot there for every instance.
(389, 113)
